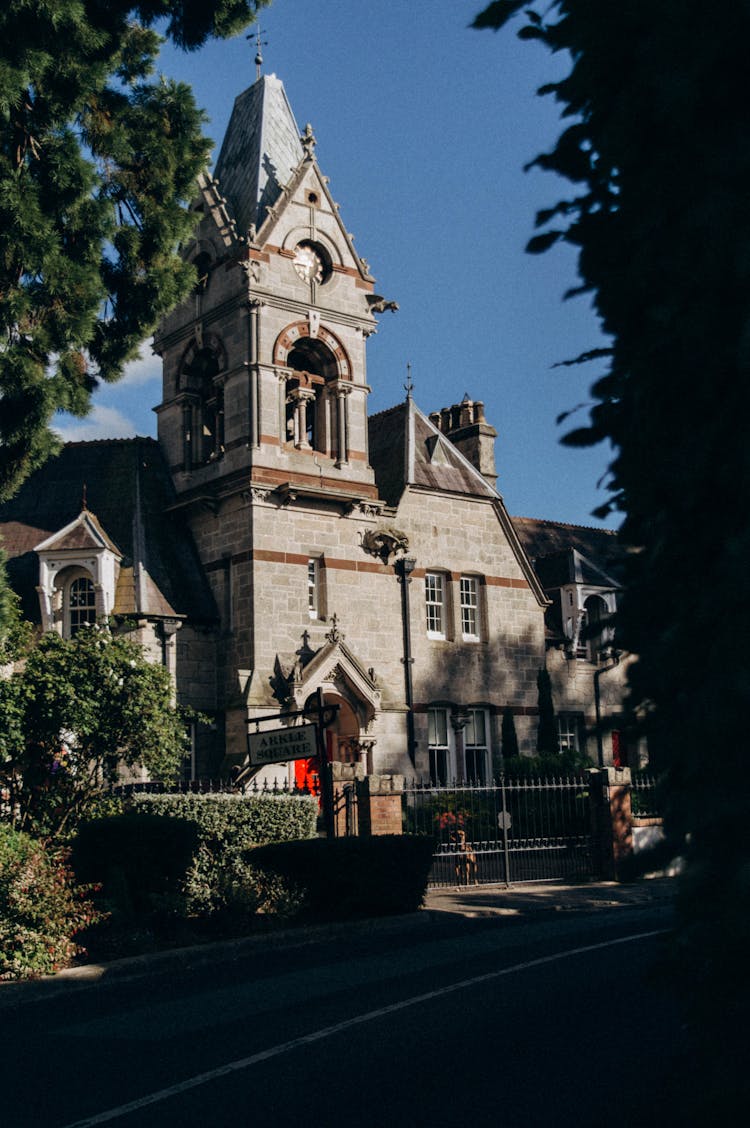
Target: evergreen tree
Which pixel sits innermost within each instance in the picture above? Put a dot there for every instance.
(97, 163)
(657, 149)
(15, 633)
(546, 741)
(508, 737)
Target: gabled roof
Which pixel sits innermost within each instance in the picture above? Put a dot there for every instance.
(85, 532)
(406, 449)
(260, 151)
(129, 489)
(564, 554)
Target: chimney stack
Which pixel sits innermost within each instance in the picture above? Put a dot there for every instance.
(466, 427)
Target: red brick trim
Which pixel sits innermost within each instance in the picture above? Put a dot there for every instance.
(504, 581)
(301, 329)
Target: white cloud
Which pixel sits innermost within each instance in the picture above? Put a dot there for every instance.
(100, 423)
(142, 370)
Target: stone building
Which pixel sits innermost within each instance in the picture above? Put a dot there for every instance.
(276, 542)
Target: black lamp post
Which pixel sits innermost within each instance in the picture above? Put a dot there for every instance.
(404, 566)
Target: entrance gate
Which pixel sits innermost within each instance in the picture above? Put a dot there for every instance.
(517, 830)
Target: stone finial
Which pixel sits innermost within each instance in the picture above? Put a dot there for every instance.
(308, 142)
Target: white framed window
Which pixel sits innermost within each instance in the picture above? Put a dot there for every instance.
(477, 746)
(469, 605)
(313, 587)
(440, 750)
(434, 594)
(81, 601)
(568, 732)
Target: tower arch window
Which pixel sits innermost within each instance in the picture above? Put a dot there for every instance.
(202, 264)
(203, 412)
(311, 413)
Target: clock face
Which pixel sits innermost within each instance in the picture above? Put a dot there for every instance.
(308, 263)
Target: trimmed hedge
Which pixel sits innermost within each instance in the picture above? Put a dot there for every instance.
(139, 859)
(345, 878)
(220, 878)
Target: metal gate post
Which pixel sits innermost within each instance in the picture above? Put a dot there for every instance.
(505, 827)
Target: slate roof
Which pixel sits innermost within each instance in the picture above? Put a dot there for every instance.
(260, 151)
(128, 490)
(549, 545)
(407, 449)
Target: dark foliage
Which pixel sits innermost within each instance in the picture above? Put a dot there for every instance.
(344, 878)
(656, 150)
(508, 736)
(546, 739)
(137, 859)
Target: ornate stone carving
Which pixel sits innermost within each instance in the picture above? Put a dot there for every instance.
(384, 543)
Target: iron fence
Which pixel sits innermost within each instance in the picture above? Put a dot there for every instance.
(212, 787)
(514, 830)
(645, 797)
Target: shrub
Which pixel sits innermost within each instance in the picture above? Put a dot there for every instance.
(546, 766)
(41, 909)
(346, 878)
(140, 859)
(220, 878)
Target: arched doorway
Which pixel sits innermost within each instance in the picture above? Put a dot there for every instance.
(342, 740)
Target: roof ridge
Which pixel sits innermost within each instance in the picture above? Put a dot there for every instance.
(111, 441)
(387, 411)
(566, 525)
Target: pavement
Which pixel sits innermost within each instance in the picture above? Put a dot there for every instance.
(549, 897)
(476, 901)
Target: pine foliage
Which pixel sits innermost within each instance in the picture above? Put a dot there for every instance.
(98, 159)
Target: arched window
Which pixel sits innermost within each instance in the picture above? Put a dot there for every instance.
(598, 633)
(204, 409)
(81, 605)
(202, 264)
(311, 419)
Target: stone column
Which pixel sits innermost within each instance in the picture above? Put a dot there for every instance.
(342, 422)
(301, 398)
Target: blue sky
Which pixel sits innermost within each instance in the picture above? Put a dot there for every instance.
(423, 127)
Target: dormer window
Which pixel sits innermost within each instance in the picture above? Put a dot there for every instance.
(78, 570)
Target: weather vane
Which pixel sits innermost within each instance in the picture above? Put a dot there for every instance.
(257, 35)
(409, 385)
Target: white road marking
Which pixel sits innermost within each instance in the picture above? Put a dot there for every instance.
(339, 1027)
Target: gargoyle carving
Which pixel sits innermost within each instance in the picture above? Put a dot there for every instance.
(384, 543)
(380, 305)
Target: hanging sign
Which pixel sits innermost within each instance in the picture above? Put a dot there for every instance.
(276, 746)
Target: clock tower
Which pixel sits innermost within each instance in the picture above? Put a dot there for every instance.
(263, 420)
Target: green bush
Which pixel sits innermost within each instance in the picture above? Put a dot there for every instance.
(140, 859)
(546, 766)
(220, 878)
(41, 909)
(346, 878)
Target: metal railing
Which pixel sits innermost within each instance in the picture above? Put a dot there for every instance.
(645, 798)
(514, 830)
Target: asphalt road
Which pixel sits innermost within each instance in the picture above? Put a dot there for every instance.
(492, 1022)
